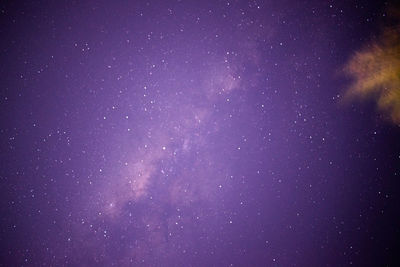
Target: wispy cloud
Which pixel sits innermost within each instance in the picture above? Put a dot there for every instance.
(375, 71)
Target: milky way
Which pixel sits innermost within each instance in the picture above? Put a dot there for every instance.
(196, 133)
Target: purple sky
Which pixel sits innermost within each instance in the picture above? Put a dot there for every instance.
(192, 133)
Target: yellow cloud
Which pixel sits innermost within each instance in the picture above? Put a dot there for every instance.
(375, 71)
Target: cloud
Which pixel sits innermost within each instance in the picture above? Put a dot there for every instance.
(375, 71)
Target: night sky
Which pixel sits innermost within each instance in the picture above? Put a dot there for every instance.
(199, 133)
